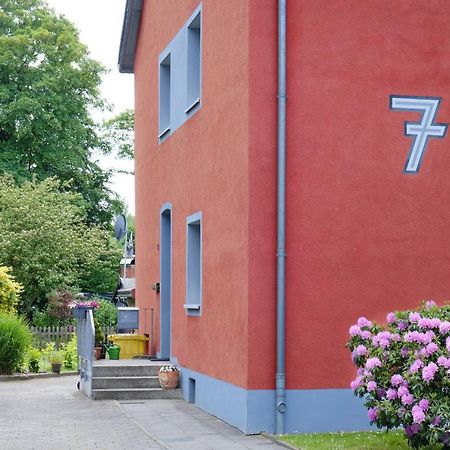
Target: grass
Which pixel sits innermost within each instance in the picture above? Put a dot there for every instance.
(380, 440)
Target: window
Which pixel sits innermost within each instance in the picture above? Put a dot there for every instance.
(180, 76)
(164, 96)
(194, 264)
(193, 68)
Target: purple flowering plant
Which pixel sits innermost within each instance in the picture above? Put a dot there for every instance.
(403, 372)
(85, 304)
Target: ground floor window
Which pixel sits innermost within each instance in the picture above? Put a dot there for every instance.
(194, 264)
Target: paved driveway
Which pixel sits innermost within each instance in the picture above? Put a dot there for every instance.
(50, 414)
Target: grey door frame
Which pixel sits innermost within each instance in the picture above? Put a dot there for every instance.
(165, 265)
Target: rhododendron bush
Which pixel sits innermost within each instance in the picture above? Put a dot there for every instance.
(403, 372)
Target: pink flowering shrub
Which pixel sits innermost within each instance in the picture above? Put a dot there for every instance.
(403, 372)
(85, 304)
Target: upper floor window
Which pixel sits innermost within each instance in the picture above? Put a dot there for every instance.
(164, 96)
(180, 76)
(193, 63)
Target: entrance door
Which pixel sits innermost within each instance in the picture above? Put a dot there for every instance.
(166, 281)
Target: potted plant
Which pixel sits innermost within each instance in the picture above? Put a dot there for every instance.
(56, 359)
(79, 308)
(169, 376)
(99, 339)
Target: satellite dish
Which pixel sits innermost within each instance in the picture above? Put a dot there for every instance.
(120, 227)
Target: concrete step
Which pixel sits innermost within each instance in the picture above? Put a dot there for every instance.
(134, 370)
(133, 382)
(135, 394)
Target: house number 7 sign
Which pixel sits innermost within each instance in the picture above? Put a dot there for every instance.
(420, 131)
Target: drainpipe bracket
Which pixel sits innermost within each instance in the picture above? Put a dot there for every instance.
(281, 407)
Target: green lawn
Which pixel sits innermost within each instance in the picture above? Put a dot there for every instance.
(349, 441)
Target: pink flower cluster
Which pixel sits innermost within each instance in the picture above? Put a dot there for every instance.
(355, 330)
(443, 362)
(372, 413)
(426, 322)
(86, 304)
(383, 339)
(429, 371)
(363, 322)
(444, 327)
(390, 318)
(430, 304)
(415, 366)
(418, 414)
(371, 363)
(356, 383)
(414, 317)
(418, 411)
(421, 338)
(397, 380)
(428, 350)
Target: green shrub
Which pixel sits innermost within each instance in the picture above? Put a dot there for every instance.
(15, 338)
(70, 353)
(99, 338)
(42, 319)
(106, 313)
(32, 359)
(9, 291)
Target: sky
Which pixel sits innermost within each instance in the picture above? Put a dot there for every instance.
(100, 25)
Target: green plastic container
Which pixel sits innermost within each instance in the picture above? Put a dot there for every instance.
(113, 352)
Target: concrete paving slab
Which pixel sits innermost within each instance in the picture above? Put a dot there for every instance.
(50, 414)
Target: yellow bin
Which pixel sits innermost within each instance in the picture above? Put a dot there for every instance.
(130, 344)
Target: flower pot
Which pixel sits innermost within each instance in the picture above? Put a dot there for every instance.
(169, 380)
(56, 367)
(98, 352)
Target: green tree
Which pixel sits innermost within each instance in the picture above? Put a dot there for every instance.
(48, 88)
(47, 242)
(119, 134)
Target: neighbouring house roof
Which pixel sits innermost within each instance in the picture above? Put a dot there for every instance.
(128, 40)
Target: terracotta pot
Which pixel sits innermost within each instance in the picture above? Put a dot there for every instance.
(169, 380)
(98, 352)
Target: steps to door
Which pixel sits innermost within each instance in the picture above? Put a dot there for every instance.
(129, 380)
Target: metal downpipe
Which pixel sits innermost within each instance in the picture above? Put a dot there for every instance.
(281, 220)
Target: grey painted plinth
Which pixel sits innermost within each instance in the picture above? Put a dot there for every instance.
(136, 394)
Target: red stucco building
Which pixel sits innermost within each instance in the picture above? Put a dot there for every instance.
(367, 185)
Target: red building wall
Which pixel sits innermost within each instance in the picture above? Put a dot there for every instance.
(202, 166)
(363, 238)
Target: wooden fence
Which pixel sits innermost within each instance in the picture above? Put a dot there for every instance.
(60, 335)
